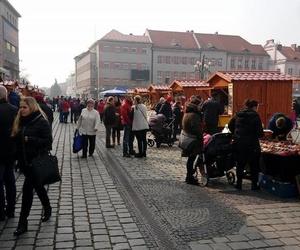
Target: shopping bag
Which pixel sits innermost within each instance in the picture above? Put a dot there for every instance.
(77, 142)
(44, 169)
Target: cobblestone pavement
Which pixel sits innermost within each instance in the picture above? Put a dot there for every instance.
(111, 202)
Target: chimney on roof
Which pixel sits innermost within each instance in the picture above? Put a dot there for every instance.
(130, 34)
(216, 33)
(294, 47)
(192, 31)
(279, 46)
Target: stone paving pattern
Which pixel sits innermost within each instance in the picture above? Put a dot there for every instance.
(111, 202)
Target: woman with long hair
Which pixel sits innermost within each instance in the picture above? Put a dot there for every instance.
(32, 133)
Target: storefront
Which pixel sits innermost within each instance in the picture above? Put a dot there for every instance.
(271, 89)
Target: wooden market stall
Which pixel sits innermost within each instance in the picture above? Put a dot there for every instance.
(158, 91)
(144, 93)
(271, 89)
(188, 88)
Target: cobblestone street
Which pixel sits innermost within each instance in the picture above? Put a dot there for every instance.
(111, 202)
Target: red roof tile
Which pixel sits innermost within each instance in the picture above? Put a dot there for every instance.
(171, 39)
(235, 44)
(252, 76)
(192, 83)
(160, 87)
(142, 90)
(115, 35)
(290, 54)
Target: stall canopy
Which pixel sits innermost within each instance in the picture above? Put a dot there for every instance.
(113, 92)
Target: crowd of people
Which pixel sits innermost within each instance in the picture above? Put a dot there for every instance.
(26, 132)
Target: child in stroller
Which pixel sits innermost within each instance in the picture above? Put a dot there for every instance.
(161, 131)
(217, 159)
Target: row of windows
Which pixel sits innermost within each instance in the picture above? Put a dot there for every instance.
(290, 71)
(188, 60)
(10, 47)
(168, 76)
(246, 63)
(11, 18)
(124, 66)
(128, 50)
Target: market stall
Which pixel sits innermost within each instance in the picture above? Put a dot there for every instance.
(189, 88)
(158, 91)
(271, 89)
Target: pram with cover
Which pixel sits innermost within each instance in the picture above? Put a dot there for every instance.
(216, 160)
(161, 131)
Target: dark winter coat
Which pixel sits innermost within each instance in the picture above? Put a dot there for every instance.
(282, 132)
(247, 128)
(177, 113)
(38, 132)
(166, 110)
(48, 111)
(211, 110)
(8, 113)
(109, 115)
(192, 125)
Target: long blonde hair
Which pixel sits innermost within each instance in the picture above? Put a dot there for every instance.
(33, 107)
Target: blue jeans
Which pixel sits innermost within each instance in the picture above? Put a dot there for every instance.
(127, 140)
(7, 179)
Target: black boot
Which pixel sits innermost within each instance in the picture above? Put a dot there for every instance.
(47, 214)
(22, 227)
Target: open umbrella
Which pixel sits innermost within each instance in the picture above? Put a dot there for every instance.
(113, 92)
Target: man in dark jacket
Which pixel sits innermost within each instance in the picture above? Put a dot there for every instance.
(177, 118)
(7, 150)
(211, 110)
(166, 109)
(247, 128)
(281, 125)
(109, 119)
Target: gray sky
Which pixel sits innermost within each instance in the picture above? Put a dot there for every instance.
(52, 33)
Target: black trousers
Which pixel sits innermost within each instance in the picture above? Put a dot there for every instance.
(88, 140)
(7, 180)
(141, 141)
(190, 167)
(116, 132)
(247, 154)
(108, 132)
(28, 187)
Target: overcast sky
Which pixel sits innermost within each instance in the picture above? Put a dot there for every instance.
(52, 33)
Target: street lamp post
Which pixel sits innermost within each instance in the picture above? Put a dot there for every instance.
(202, 68)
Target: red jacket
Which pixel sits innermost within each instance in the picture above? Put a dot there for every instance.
(66, 106)
(125, 112)
(100, 107)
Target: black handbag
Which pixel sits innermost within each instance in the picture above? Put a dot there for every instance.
(44, 169)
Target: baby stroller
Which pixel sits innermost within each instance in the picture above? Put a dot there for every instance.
(161, 131)
(216, 160)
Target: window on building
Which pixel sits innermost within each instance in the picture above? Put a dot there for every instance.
(184, 60)
(183, 75)
(125, 49)
(106, 65)
(260, 63)
(240, 63)
(159, 59)
(290, 71)
(232, 63)
(117, 66)
(144, 51)
(220, 62)
(106, 48)
(117, 49)
(168, 59)
(175, 59)
(144, 66)
(192, 60)
(246, 63)
(125, 66)
(133, 50)
(253, 64)
(159, 76)
(176, 75)
(133, 66)
(179, 59)
(8, 45)
(13, 49)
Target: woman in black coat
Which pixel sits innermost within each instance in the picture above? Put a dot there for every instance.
(247, 128)
(192, 126)
(32, 133)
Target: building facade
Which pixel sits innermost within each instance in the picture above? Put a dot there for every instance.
(286, 59)
(9, 41)
(161, 57)
(86, 74)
